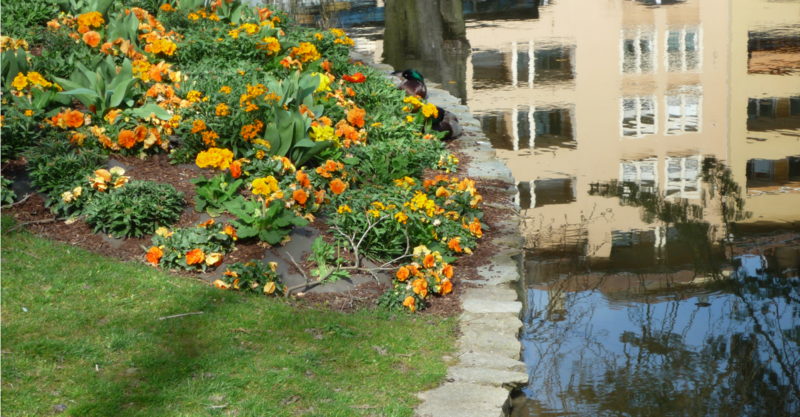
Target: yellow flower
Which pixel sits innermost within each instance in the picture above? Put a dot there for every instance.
(233, 34)
(194, 96)
(323, 133)
(67, 196)
(163, 232)
(77, 191)
(36, 78)
(265, 186)
(409, 118)
(20, 81)
(29, 113)
(324, 82)
(429, 110)
(401, 217)
(343, 209)
(222, 110)
(215, 157)
(269, 288)
(225, 90)
(213, 259)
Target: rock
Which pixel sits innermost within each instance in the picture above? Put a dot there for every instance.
(490, 333)
(462, 400)
(502, 270)
(487, 376)
(483, 360)
(60, 408)
(490, 170)
(492, 293)
(477, 305)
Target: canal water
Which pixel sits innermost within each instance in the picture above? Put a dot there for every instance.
(656, 145)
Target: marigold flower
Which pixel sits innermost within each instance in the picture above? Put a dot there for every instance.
(429, 110)
(222, 110)
(402, 274)
(446, 287)
(195, 256)
(230, 231)
(448, 271)
(167, 8)
(356, 78)
(420, 286)
(215, 157)
(20, 81)
(225, 90)
(214, 259)
(337, 186)
(265, 186)
(410, 303)
(220, 283)
(401, 217)
(455, 244)
(429, 261)
(126, 139)
(343, 209)
(270, 44)
(356, 117)
(154, 255)
(300, 196)
(236, 169)
(36, 78)
(91, 38)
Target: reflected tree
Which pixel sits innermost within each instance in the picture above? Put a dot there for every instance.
(430, 36)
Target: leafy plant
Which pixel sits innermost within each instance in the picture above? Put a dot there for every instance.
(55, 167)
(212, 194)
(328, 261)
(21, 19)
(104, 89)
(271, 223)
(192, 248)
(13, 62)
(8, 196)
(252, 276)
(413, 283)
(76, 7)
(135, 210)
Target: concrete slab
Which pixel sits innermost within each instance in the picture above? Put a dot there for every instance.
(462, 400)
(487, 376)
(479, 305)
(491, 293)
(483, 360)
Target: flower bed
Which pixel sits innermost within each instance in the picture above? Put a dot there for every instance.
(288, 129)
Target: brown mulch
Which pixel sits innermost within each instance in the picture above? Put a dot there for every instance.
(157, 168)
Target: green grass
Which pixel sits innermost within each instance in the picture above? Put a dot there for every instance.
(91, 340)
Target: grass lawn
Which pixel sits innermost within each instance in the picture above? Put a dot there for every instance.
(82, 331)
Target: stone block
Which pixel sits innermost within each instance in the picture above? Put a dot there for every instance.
(462, 400)
(487, 376)
(491, 293)
(482, 360)
(478, 305)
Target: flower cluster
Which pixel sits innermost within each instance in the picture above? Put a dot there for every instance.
(193, 248)
(215, 158)
(414, 282)
(102, 179)
(252, 276)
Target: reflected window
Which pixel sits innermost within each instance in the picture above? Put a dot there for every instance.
(643, 174)
(639, 51)
(638, 116)
(773, 175)
(540, 193)
(773, 113)
(683, 176)
(683, 114)
(551, 64)
(684, 47)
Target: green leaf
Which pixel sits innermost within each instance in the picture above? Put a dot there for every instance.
(120, 91)
(146, 111)
(271, 236)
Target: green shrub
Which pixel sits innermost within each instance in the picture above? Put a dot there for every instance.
(170, 248)
(252, 276)
(22, 19)
(271, 222)
(136, 209)
(56, 166)
(213, 193)
(8, 196)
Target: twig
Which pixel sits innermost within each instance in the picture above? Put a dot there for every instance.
(298, 266)
(53, 220)
(27, 196)
(295, 287)
(180, 315)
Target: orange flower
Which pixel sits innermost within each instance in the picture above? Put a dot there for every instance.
(220, 283)
(326, 66)
(302, 178)
(154, 255)
(140, 133)
(447, 287)
(300, 196)
(236, 169)
(350, 92)
(91, 38)
(475, 228)
(330, 165)
(420, 287)
(230, 231)
(195, 256)
(429, 261)
(73, 118)
(409, 302)
(414, 270)
(402, 274)
(356, 117)
(326, 120)
(455, 244)
(448, 271)
(320, 196)
(126, 139)
(355, 78)
(337, 186)
(263, 14)
(106, 48)
(206, 223)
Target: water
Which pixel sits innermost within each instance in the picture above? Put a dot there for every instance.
(656, 145)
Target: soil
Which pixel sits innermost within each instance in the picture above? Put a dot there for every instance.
(157, 168)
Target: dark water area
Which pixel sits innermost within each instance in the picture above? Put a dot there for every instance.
(656, 149)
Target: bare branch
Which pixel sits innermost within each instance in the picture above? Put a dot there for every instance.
(180, 315)
(27, 196)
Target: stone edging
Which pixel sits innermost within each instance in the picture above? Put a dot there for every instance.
(488, 364)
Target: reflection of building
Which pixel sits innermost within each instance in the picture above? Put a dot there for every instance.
(645, 102)
(764, 145)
